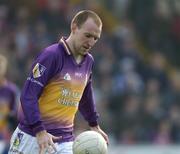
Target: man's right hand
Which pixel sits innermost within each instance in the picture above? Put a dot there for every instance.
(45, 141)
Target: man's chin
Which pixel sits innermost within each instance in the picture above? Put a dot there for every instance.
(83, 53)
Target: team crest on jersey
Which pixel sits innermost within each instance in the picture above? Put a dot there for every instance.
(67, 77)
(38, 70)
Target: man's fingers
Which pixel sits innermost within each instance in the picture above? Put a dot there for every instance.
(55, 138)
(54, 147)
(107, 139)
(50, 149)
(42, 149)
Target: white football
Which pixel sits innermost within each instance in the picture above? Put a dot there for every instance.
(89, 142)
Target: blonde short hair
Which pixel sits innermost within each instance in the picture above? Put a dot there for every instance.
(83, 15)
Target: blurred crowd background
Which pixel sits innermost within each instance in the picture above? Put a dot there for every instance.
(137, 61)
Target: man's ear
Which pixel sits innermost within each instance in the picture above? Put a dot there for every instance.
(73, 27)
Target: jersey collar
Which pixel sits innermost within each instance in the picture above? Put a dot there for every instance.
(63, 41)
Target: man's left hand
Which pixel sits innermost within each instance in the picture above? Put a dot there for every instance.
(99, 130)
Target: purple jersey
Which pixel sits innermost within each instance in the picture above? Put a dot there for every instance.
(55, 89)
(8, 103)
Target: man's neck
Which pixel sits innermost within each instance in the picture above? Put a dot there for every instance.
(75, 54)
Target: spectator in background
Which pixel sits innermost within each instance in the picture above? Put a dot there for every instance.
(8, 104)
(156, 69)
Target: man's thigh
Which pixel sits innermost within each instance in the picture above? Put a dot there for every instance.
(64, 148)
(23, 143)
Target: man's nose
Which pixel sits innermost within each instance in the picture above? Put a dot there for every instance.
(91, 42)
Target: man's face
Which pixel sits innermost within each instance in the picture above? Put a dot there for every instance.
(86, 36)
